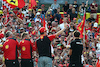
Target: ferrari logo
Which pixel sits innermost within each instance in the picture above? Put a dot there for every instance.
(23, 48)
(18, 15)
(7, 46)
(41, 37)
(33, 32)
(7, 40)
(13, 2)
(23, 41)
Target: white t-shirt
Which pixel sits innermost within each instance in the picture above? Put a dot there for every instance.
(62, 26)
(98, 46)
(97, 53)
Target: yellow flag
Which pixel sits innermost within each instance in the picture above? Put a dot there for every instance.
(13, 2)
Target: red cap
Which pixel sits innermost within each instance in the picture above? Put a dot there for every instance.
(1, 35)
(43, 5)
(42, 29)
(55, 0)
(93, 49)
(74, 18)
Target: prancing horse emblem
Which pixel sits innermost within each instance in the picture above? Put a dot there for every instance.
(12, 1)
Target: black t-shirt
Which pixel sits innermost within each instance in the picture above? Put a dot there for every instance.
(75, 6)
(77, 48)
(44, 47)
(58, 16)
(66, 7)
(43, 12)
(91, 19)
(69, 11)
(73, 15)
(31, 16)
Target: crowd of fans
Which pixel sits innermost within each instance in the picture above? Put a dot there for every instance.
(30, 20)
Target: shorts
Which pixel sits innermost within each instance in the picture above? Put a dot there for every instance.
(11, 63)
(26, 63)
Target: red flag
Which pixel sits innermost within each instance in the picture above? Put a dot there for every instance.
(32, 3)
(13, 3)
(81, 26)
(44, 23)
(98, 63)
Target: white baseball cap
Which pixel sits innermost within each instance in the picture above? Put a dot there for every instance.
(38, 13)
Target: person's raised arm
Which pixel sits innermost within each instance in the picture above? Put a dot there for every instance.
(86, 4)
(96, 8)
(59, 32)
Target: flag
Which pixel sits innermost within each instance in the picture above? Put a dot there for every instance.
(44, 23)
(81, 26)
(10, 4)
(98, 63)
(32, 3)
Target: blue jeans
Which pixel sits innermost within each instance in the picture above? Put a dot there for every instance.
(45, 62)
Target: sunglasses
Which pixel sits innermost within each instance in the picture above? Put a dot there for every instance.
(1, 15)
(93, 61)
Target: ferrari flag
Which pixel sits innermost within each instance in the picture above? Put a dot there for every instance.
(81, 26)
(32, 3)
(13, 3)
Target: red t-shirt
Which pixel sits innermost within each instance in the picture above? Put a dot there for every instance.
(10, 49)
(25, 46)
(92, 5)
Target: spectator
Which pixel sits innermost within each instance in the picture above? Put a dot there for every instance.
(55, 6)
(64, 21)
(73, 14)
(31, 14)
(81, 18)
(38, 18)
(24, 11)
(70, 9)
(45, 53)
(65, 7)
(75, 5)
(83, 7)
(43, 9)
(58, 16)
(41, 15)
(94, 8)
(91, 18)
(72, 28)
